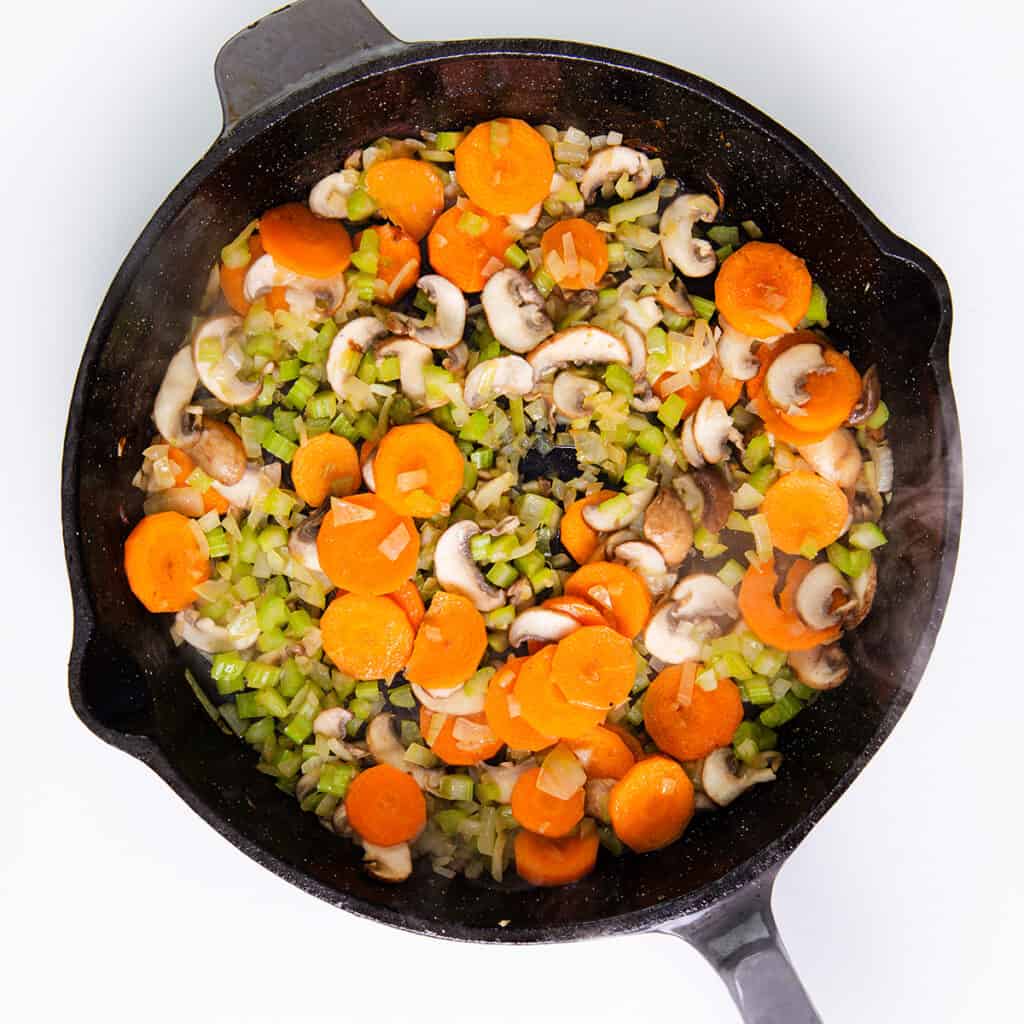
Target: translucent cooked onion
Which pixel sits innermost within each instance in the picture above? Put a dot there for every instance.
(186, 500)
(561, 773)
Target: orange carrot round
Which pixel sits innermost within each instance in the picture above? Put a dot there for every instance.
(594, 667)
(407, 597)
(763, 290)
(575, 243)
(368, 556)
(544, 861)
(690, 730)
(777, 623)
(410, 193)
(418, 469)
(385, 806)
(325, 465)
(454, 750)
(541, 812)
(511, 727)
(232, 279)
(586, 613)
(366, 637)
(544, 706)
(603, 753)
(578, 538)
(651, 805)
(398, 262)
(712, 381)
(213, 500)
(626, 735)
(465, 258)
(804, 508)
(305, 243)
(504, 166)
(620, 590)
(164, 563)
(449, 643)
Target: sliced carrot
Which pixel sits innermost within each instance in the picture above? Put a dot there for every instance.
(627, 737)
(772, 623)
(541, 812)
(775, 425)
(232, 279)
(804, 508)
(407, 597)
(458, 751)
(164, 563)
(325, 465)
(762, 289)
(594, 667)
(613, 586)
(544, 861)
(651, 805)
(579, 539)
(692, 730)
(603, 753)
(504, 166)
(305, 243)
(410, 193)
(465, 258)
(398, 262)
(449, 644)
(418, 469)
(586, 613)
(544, 706)
(368, 556)
(366, 637)
(385, 806)
(832, 396)
(574, 253)
(213, 500)
(503, 715)
(712, 380)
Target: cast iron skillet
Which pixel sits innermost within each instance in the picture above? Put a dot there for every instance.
(300, 89)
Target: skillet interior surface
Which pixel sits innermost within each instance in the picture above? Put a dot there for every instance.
(888, 305)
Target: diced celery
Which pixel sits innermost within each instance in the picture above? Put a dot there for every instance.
(545, 579)
(757, 690)
(367, 371)
(271, 640)
(635, 473)
(246, 706)
(449, 820)
(515, 256)
(731, 573)
(343, 427)
(272, 702)
(335, 779)
(517, 415)
(500, 618)
(738, 523)
(456, 787)
(618, 379)
(402, 697)
(763, 477)
(217, 541)
(723, 253)
(389, 370)
(651, 440)
(366, 261)
(543, 281)
(280, 446)
(671, 411)
(228, 672)
(817, 311)
(299, 623)
(530, 563)
(769, 662)
(866, 536)
(704, 308)
(721, 234)
(288, 369)
(322, 406)
(758, 450)
(367, 691)
(480, 547)
(781, 711)
(502, 574)
(298, 729)
(300, 393)
(482, 458)
(475, 428)
(878, 418)
(271, 612)
(447, 141)
(801, 690)
(360, 205)
(292, 680)
(707, 543)
(534, 511)
(259, 676)
(272, 537)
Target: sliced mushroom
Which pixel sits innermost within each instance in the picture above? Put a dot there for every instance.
(449, 312)
(302, 542)
(456, 702)
(717, 503)
(643, 558)
(713, 430)
(457, 358)
(870, 395)
(220, 375)
(522, 222)
(725, 777)
(218, 451)
(864, 587)
(314, 297)
(581, 345)
(255, 480)
(644, 399)
(505, 376)
(329, 196)
(599, 517)
(367, 470)
(735, 352)
(332, 722)
(673, 296)
(823, 597)
(263, 275)
(672, 637)
(519, 593)
(595, 798)
(837, 458)
(689, 444)
(413, 359)
(705, 598)
(181, 379)
(570, 393)
(458, 573)
(356, 336)
(205, 635)
(701, 606)
(787, 376)
(388, 863)
(515, 310)
(611, 543)
(383, 744)
(610, 164)
(636, 343)
(821, 668)
(668, 526)
(543, 624)
(695, 257)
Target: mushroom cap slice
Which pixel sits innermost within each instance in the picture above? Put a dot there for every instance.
(822, 597)
(837, 458)
(864, 587)
(515, 310)
(610, 543)
(458, 573)
(456, 703)
(543, 624)
(604, 521)
(724, 777)
(413, 359)
(670, 637)
(689, 443)
(255, 480)
(821, 668)
(581, 345)
(383, 744)
(332, 722)
(717, 498)
(367, 469)
(642, 557)
(264, 274)
(610, 164)
(713, 429)
(570, 392)
(788, 373)
(388, 863)
(450, 313)
(219, 452)
(735, 352)
(637, 345)
(703, 597)
(220, 375)
(302, 542)
(870, 395)
(329, 196)
(456, 358)
(356, 336)
(181, 378)
(695, 257)
(206, 635)
(668, 526)
(505, 376)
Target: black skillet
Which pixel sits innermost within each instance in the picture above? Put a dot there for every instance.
(300, 89)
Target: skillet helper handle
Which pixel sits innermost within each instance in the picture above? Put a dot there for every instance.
(291, 48)
(739, 938)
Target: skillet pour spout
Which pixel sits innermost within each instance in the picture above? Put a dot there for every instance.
(302, 88)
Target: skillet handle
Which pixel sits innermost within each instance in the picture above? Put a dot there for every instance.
(738, 937)
(291, 48)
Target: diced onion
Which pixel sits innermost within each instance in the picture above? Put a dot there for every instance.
(469, 734)
(395, 542)
(412, 480)
(345, 512)
(186, 500)
(561, 774)
(762, 537)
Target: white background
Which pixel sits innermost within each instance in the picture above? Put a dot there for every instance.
(904, 904)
